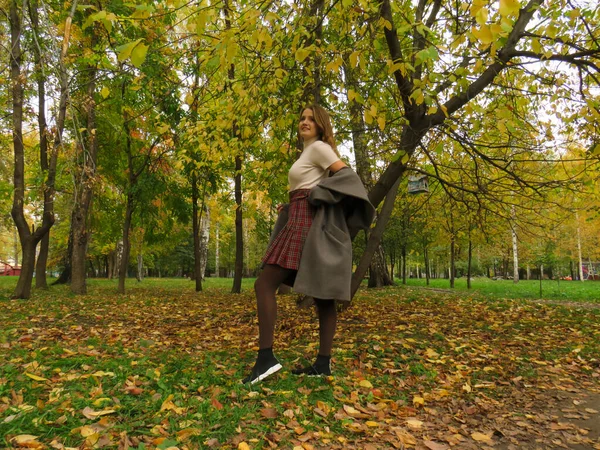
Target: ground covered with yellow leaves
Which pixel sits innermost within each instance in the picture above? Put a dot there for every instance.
(160, 368)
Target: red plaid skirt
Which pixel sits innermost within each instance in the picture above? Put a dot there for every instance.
(286, 248)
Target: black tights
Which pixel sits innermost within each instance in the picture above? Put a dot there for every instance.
(266, 287)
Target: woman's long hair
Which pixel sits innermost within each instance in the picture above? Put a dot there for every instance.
(323, 125)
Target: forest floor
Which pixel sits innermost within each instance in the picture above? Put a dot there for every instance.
(413, 368)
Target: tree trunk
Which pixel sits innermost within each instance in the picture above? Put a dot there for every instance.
(196, 231)
(84, 185)
(379, 275)
(239, 229)
(427, 264)
(126, 246)
(29, 239)
(375, 238)
(40, 272)
(579, 254)
(51, 164)
(23, 289)
(470, 258)
(204, 238)
(452, 262)
(42, 260)
(218, 272)
(404, 264)
(140, 265)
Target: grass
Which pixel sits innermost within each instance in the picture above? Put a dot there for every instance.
(588, 291)
(159, 367)
(525, 289)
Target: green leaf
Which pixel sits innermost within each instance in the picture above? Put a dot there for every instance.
(126, 49)
(138, 54)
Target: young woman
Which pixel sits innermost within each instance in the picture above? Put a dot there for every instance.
(311, 247)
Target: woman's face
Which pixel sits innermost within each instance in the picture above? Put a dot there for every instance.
(307, 127)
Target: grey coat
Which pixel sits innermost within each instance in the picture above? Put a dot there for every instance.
(342, 209)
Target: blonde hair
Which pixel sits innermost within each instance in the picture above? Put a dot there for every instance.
(323, 125)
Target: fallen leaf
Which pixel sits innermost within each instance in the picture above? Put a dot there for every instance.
(35, 377)
(414, 423)
(417, 400)
(480, 437)
(91, 414)
(269, 413)
(23, 438)
(366, 384)
(431, 445)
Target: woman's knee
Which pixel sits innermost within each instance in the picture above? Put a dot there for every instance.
(324, 304)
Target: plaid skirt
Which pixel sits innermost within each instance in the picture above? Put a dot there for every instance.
(286, 248)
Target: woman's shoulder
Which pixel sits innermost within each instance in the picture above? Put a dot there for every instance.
(320, 145)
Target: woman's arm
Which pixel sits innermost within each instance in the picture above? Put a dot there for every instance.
(339, 164)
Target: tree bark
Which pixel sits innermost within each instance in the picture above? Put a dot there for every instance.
(579, 254)
(374, 238)
(404, 264)
(40, 273)
(140, 265)
(84, 184)
(239, 230)
(470, 259)
(196, 232)
(126, 245)
(204, 238)
(452, 260)
(427, 263)
(28, 238)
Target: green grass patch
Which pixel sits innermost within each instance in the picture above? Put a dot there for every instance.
(525, 289)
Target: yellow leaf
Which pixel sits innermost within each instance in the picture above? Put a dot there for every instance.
(105, 92)
(243, 446)
(381, 122)
(508, 7)
(126, 49)
(371, 424)
(481, 16)
(35, 377)
(301, 54)
(354, 59)
(138, 54)
(23, 438)
(417, 400)
(86, 431)
(484, 35)
(480, 437)
(467, 387)
(366, 384)
(414, 423)
(431, 353)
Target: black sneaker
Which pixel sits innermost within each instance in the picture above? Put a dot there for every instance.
(314, 370)
(262, 369)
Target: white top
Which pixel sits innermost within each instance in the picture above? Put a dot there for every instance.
(312, 165)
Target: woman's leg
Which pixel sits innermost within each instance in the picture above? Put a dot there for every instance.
(265, 287)
(327, 313)
(327, 324)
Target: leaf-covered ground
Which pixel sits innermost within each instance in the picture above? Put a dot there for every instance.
(160, 368)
